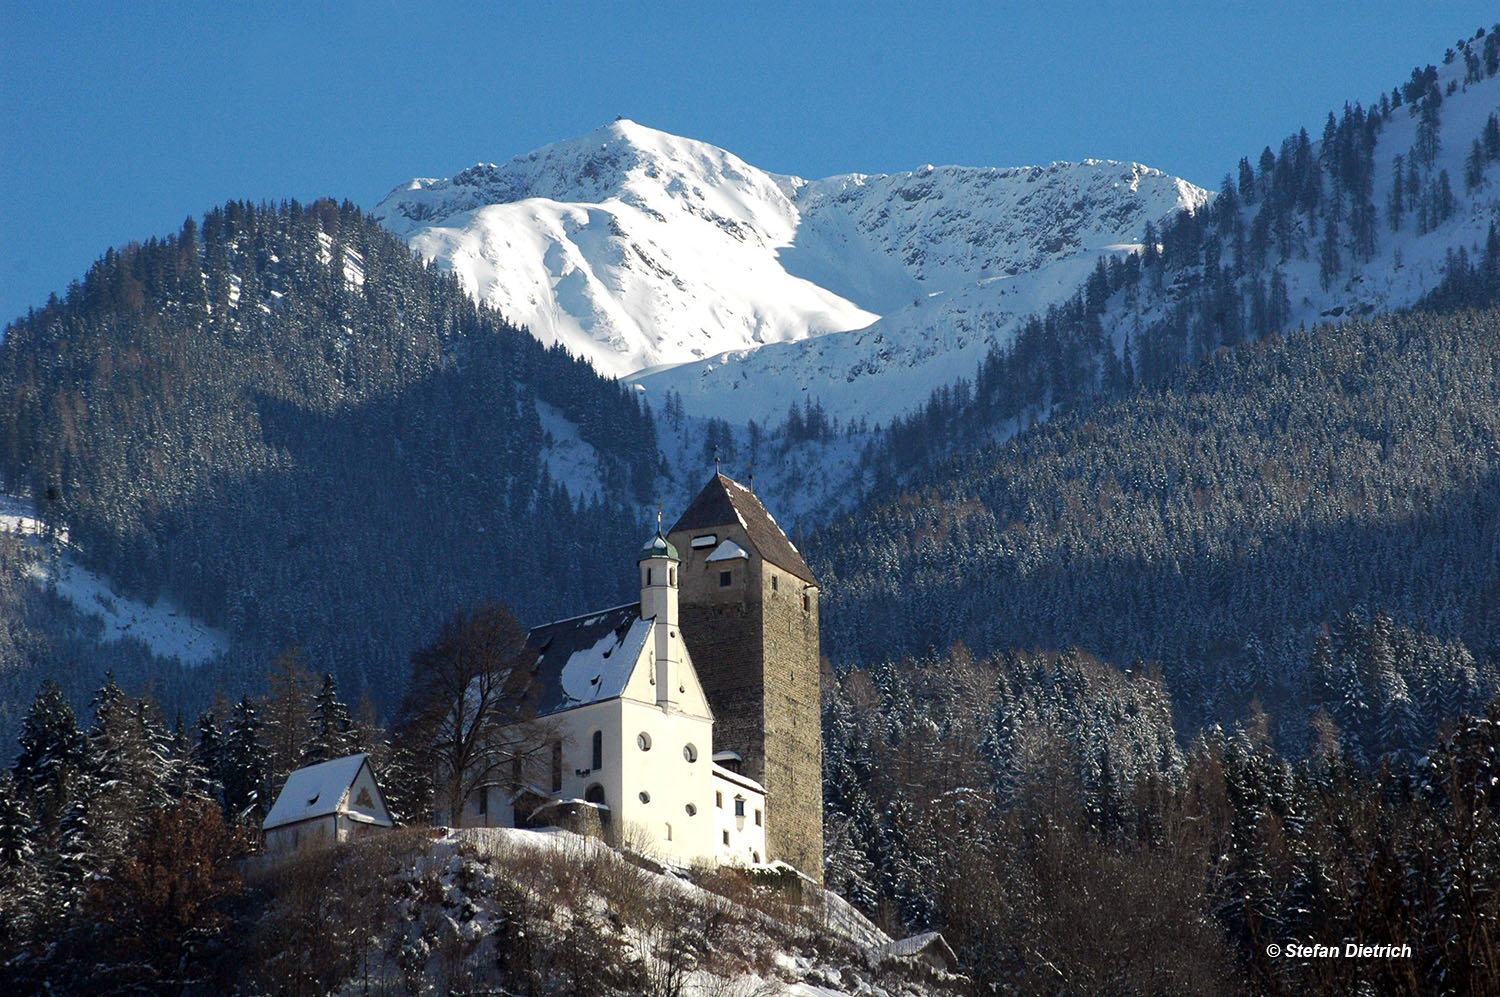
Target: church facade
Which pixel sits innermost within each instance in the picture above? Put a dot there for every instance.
(687, 723)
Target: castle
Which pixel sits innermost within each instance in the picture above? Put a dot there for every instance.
(688, 722)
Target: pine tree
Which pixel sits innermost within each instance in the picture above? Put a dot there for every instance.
(208, 754)
(1329, 263)
(54, 757)
(1397, 204)
(245, 769)
(330, 734)
(1474, 167)
(20, 884)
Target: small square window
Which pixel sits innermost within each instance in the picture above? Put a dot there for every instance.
(757, 818)
(724, 578)
(726, 837)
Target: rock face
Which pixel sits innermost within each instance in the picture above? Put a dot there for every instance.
(678, 263)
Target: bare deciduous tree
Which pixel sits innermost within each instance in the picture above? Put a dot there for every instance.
(471, 709)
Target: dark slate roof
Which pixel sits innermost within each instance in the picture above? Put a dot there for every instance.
(724, 501)
(587, 659)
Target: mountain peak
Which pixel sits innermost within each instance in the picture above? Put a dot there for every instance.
(637, 248)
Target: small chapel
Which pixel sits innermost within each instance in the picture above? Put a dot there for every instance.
(688, 722)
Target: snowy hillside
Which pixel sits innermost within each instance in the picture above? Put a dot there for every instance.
(490, 910)
(1408, 262)
(163, 627)
(641, 251)
(629, 246)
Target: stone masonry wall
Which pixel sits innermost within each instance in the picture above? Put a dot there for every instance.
(756, 652)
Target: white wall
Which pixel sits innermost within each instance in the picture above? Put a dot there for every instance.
(316, 833)
(364, 788)
(673, 718)
(672, 782)
(746, 837)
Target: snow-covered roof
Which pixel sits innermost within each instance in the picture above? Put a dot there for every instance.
(587, 659)
(728, 551)
(727, 756)
(743, 781)
(315, 791)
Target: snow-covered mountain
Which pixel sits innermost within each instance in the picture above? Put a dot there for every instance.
(629, 246)
(678, 263)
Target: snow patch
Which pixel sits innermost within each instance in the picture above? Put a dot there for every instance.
(164, 627)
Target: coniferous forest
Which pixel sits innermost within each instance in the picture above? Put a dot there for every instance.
(1336, 482)
(278, 418)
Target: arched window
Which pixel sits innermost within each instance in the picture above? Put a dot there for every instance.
(598, 750)
(594, 794)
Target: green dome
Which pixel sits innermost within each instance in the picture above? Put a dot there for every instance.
(658, 547)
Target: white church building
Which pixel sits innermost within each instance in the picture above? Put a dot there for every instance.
(632, 735)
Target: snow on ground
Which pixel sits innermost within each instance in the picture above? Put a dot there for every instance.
(164, 627)
(642, 251)
(629, 246)
(571, 460)
(826, 949)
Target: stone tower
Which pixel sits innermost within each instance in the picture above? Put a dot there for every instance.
(749, 610)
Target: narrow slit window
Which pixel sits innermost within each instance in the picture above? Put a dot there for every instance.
(556, 766)
(598, 750)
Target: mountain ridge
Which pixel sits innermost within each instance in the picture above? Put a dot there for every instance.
(582, 242)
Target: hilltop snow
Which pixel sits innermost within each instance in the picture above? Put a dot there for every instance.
(645, 252)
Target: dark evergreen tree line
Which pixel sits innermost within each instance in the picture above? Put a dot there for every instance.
(1214, 523)
(283, 421)
(1036, 810)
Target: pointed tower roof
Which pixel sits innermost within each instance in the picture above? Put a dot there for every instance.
(725, 501)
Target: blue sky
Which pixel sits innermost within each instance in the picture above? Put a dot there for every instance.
(115, 124)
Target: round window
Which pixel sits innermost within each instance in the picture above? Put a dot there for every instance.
(692, 809)
(645, 796)
(690, 753)
(644, 740)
